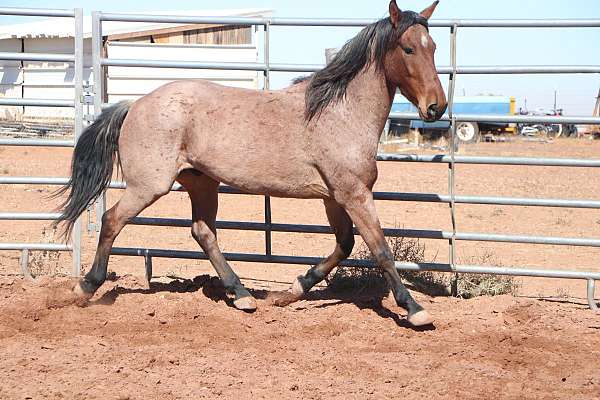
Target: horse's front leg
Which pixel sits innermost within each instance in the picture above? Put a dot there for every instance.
(358, 202)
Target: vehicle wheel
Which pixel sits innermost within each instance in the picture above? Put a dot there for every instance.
(542, 130)
(467, 132)
(570, 130)
(554, 131)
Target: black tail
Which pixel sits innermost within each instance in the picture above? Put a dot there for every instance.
(92, 165)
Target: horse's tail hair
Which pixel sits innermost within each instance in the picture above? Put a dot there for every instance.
(92, 164)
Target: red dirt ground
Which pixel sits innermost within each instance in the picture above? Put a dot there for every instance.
(179, 338)
(173, 341)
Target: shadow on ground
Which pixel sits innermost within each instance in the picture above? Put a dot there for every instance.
(213, 289)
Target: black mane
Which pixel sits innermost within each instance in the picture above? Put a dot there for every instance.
(300, 79)
(370, 45)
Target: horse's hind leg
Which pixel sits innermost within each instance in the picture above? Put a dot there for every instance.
(342, 227)
(134, 200)
(204, 192)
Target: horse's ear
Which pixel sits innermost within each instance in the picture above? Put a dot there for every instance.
(394, 13)
(426, 13)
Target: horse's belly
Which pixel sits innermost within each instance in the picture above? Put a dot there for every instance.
(291, 179)
(277, 188)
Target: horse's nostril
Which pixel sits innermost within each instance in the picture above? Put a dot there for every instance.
(432, 110)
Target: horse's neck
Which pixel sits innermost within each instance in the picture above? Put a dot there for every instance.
(369, 100)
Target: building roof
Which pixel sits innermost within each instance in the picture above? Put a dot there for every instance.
(49, 28)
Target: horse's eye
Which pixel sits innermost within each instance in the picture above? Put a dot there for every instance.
(408, 50)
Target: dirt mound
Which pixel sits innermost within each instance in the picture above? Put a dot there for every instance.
(181, 338)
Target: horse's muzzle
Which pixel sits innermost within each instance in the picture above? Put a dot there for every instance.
(434, 112)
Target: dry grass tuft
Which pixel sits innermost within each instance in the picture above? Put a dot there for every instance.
(474, 285)
(45, 262)
(372, 280)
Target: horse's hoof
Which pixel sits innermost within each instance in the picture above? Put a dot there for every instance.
(297, 289)
(247, 304)
(420, 318)
(81, 294)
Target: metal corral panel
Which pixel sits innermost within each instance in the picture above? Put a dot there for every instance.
(54, 80)
(41, 80)
(133, 82)
(11, 78)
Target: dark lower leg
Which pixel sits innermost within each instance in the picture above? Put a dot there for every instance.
(113, 221)
(317, 273)
(361, 209)
(401, 294)
(342, 226)
(311, 278)
(97, 274)
(232, 284)
(203, 192)
(206, 238)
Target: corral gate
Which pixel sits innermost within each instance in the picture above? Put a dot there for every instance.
(76, 59)
(100, 62)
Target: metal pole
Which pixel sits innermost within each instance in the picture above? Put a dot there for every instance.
(148, 266)
(78, 122)
(268, 247)
(591, 287)
(98, 100)
(36, 12)
(25, 264)
(451, 164)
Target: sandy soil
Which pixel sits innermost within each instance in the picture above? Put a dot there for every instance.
(180, 339)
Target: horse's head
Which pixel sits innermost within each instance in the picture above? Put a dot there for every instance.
(409, 63)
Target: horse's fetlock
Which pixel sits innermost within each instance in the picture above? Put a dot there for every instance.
(311, 278)
(90, 284)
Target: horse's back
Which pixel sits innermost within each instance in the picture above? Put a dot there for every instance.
(253, 140)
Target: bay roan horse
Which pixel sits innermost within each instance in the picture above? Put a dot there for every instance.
(316, 139)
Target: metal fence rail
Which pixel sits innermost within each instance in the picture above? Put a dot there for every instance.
(266, 67)
(77, 103)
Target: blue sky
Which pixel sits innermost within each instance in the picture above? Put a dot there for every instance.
(507, 46)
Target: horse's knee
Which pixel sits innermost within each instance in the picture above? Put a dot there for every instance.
(202, 233)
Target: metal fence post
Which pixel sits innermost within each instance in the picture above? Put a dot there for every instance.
(451, 164)
(591, 288)
(98, 100)
(78, 125)
(24, 263)
(268, 247)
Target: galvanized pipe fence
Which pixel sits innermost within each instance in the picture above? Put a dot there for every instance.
(76, 59)
(100, 62)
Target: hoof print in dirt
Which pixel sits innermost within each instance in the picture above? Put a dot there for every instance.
(282, 299)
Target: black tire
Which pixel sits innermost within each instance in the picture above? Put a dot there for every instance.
(467, 132)
(570, 130)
